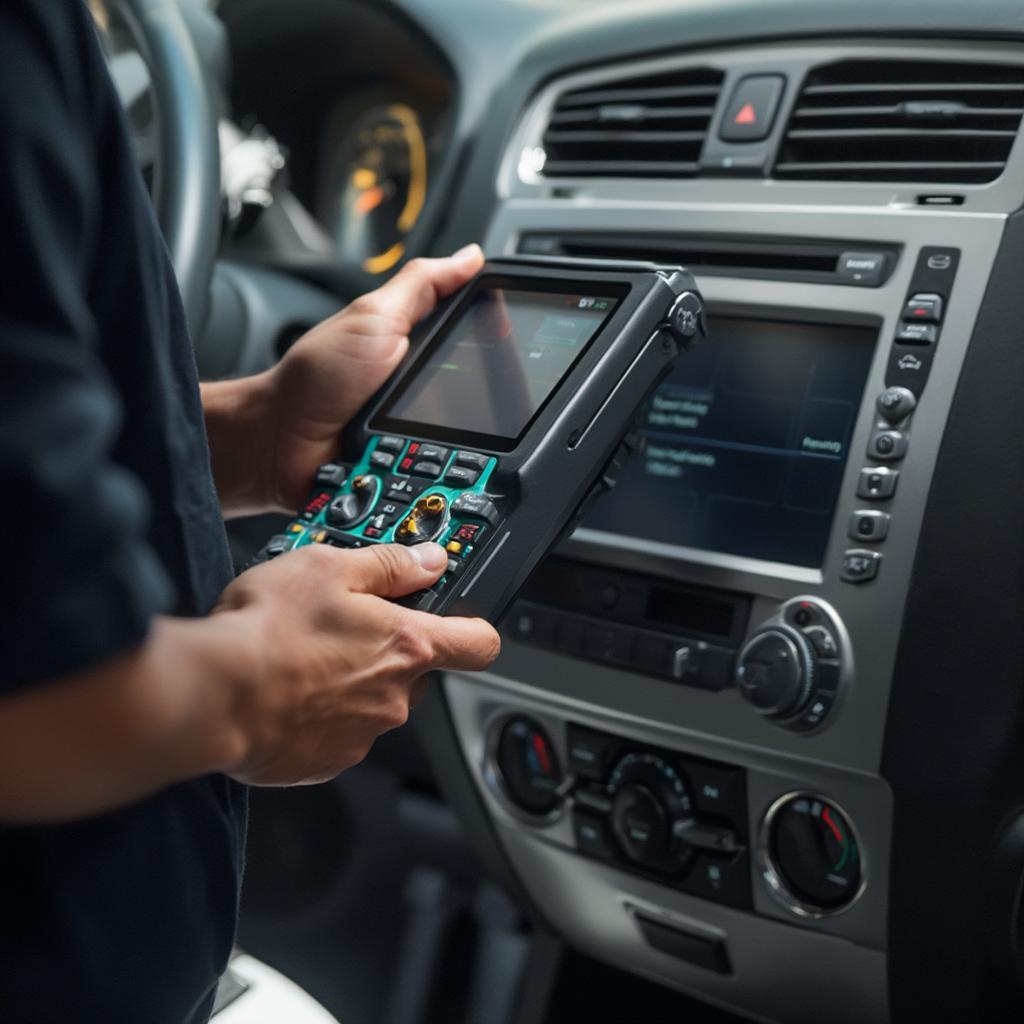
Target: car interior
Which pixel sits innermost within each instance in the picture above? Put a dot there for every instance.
(754, 746)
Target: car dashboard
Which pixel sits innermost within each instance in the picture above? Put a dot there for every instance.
(756, 729)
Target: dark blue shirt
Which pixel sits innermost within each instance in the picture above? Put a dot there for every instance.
(108, 515)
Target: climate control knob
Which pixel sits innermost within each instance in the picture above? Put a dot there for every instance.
(651, 812)
(775, 671)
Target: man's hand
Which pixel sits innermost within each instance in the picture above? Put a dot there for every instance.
(269, 433)
(336, 664)
(291, 679)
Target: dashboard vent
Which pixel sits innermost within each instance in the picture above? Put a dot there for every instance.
(904, 121)
(649, 127)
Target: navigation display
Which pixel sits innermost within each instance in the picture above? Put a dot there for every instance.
(503, 356)
(746, 442)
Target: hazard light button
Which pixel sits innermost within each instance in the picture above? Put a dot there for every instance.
(751, 111)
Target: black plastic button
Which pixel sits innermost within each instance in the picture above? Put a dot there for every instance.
(717, 790)
(860, 566)
(278, 545)
(382, 460)
(712, 838)
(390, 443)
(331, 474)
(405, 491)
(720, 879)
(593, 798)
(889, 445)
(877, 483)
(432, 470)
(925, 307)
(433, 453)
(866, 269)
(816, 712)
(477, 505)
(751, 111)
(587, 752)
(694, 949)
(869, 524)
(472, 460)
(591, 835)
(895, 404)
(823, 642)
(912, 333)
(459, 476)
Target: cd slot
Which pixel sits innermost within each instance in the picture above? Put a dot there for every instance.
(847, 263)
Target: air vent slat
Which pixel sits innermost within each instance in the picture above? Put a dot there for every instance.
(900, 133)
(637, 95)
(905, 120)
(622, 135)
(650, 126)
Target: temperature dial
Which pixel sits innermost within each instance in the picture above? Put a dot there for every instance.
(530, 774)
(812, 860)
(651, 812)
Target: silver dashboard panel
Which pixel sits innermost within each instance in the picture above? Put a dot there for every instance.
(583, 899)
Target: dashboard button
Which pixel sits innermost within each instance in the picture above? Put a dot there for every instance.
(751, 111)
(532, 625)
(877, 483)
(653, 654)
(477, 505)
(721, 879)
(866, 269)
(924, 307)
(593, 798)
(895, 404)
(390, 443)
(718, 791)
(823, 642)
(912, 333)
(888, 444)
(382, 460)
(591, 835)
(569, 636)
(869, 524)
(587, 752)
(860, 566)
(607, 643)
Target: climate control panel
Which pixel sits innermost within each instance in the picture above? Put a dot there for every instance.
(676, 819)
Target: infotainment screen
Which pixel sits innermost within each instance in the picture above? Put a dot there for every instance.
(746, 442)
(504, 355)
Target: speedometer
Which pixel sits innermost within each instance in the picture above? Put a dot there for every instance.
(378, 185)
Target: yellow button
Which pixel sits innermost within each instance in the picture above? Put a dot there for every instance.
(320, 537)
(454, 547)
(296, 528)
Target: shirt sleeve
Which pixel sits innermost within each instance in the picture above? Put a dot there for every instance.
(80, 582)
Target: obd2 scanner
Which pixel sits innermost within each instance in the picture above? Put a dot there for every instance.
(516, 409)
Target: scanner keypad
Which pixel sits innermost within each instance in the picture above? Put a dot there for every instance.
(403, 491)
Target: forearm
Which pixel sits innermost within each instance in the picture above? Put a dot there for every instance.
(239, 424)
(161, 714)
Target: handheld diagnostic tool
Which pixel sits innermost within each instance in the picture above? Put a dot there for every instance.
(514, 409)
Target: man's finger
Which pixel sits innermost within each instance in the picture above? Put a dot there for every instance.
(393, 570)
(415, 290)
(468, 644)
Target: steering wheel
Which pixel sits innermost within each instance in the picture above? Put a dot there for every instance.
(187, 180)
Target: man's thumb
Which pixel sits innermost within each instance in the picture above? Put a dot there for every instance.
(393, 570)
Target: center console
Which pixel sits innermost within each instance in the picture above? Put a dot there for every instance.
(680, 749)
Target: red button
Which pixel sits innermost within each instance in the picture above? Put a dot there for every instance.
(405, 465)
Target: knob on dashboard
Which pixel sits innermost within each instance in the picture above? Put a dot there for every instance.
(525, 766)
(775, 671)
(651, 812)
(791, 668)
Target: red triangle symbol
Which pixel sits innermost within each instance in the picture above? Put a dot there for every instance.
(747, 115)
